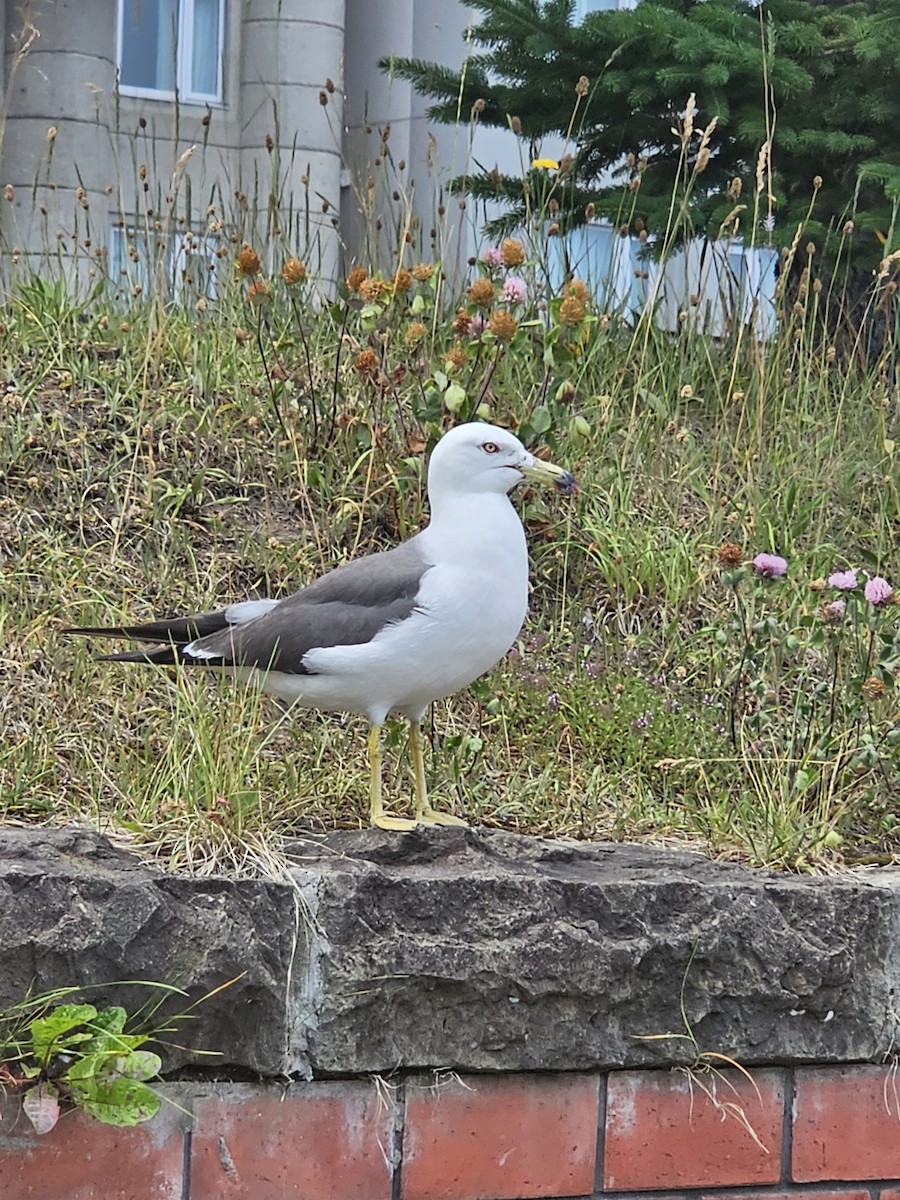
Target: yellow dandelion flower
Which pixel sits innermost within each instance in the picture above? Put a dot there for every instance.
(545, 164)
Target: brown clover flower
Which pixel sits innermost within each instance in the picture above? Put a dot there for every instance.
(293, 272)
(502, 325)
(456, 356)
(578, 288)
(422, 272)
(356, 277)
(461, 324)
(258, 292)
(571, 311)
(414, 333)
(873, 688)
(248, 262)
(366, 364)
(372, 290)
(482, 293)
(402, 281)
(512, 252)
(730, 555)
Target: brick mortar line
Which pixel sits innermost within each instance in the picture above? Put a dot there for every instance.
(397, 1147)
(600, 1150)
(787, 1126)
(186, 1160)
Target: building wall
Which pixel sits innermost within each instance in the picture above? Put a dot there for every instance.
(428, 29)
(123, 151)
(821, 1132)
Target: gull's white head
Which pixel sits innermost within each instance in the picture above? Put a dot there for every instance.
(477, 457)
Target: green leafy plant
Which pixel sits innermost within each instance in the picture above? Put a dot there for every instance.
(60, 1054)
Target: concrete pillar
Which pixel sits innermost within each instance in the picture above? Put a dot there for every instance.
(65, 81)
(285, 61)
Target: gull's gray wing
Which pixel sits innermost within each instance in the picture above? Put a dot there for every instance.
(345, 607)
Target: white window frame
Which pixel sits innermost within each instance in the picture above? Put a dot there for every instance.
(125, 273)
(183, 60)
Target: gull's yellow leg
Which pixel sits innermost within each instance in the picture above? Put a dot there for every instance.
(425, 815)
(376, 806)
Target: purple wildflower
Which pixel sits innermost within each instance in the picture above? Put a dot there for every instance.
(770, 566)
(477, 325)
(553, 702)
(514, 290)
(878, 590)
(492, 258)
(844, 581)
(835, 610)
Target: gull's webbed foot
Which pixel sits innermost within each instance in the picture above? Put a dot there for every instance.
(430, 816)
(399, 824)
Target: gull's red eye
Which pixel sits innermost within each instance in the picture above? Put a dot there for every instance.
(490, 447)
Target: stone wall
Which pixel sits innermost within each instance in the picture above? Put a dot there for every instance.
(473, 1016)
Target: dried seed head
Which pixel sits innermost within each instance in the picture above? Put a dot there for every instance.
(730, 555)
(462, 323)
(848, 228)
(373, 290)
(481, 293)
(817, 182)
(422, 272)
(478, 107)
(258, 292)
(630, 160)
(581, 87)
(366, 364)
(329, 87)
(590, 211)
(270, 145)
(248, 262)
(8, 191)
(810, 248)
(512, 252)
(323, 98)
(702, 160)
(736, 188)
(572, 310)
(502, 325)
(293, 272)
(553, 230)
(402, 281)
(515, 125)
(356, 277)
(873, 688)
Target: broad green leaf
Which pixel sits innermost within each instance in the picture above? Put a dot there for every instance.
(46, 1032)
(118, 1101)
(455, 397)
(540, 419)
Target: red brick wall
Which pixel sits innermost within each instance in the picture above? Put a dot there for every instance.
(829, 1133)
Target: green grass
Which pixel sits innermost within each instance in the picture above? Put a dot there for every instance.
(170, 458)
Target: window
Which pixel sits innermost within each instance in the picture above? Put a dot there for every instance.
(172, 47)
(141, 260)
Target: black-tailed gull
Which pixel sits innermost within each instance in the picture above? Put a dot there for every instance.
(395, 630)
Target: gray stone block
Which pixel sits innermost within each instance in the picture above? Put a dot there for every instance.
(467, 949)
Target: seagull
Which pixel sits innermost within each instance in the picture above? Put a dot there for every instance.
(393, 631)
